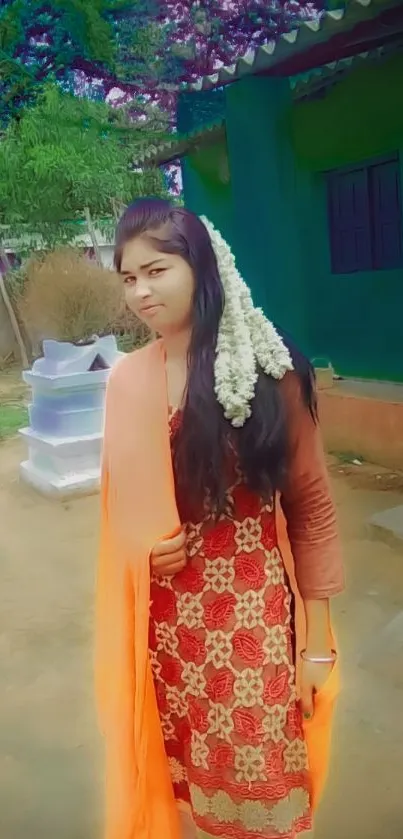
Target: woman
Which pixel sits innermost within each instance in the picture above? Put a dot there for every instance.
(226, 408)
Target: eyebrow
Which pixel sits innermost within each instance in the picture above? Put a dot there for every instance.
(144, 267)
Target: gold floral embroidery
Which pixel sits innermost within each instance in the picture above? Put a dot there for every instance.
(194, 539)
(166, 638)
(249, 763)
(167, 727)
(254, 816)
(163, 582)
(176, 701)
(284, 813)
(275, 645)
(199, 750)
(274, 722)
(193, 676)
(200, 801)
(190, 610)
(224, 808)
(178, 772)
(221, 722)
(248, 536)
(295, 756)
(249, 610)
(219, 575)
(276, 576)
(249, 688)
(155, 664)
(219, 648)
(272, 560)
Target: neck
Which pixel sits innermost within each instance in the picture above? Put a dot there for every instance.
(177, 345)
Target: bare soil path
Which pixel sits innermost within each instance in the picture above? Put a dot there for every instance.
(50, 755)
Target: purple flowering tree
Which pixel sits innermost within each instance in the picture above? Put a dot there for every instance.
(181, 40)
(206, 34)
(129, 51)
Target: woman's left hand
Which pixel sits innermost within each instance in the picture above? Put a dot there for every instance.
(313, 678)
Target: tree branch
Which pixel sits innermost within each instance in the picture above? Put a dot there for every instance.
(10, 311)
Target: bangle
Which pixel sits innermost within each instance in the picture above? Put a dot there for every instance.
(319, 659)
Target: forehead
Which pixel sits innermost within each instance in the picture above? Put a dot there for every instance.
(138, 252)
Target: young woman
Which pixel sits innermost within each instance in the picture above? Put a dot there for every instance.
(208, 431)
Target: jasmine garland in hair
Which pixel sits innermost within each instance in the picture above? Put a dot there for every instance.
(246, 339)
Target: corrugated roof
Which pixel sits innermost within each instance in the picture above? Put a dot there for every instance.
(179, 145)
(306, 83)
(308, 34)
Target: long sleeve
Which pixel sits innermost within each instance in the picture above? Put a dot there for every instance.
(307, 503)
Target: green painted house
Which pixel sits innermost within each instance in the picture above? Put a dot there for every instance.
(296, 153)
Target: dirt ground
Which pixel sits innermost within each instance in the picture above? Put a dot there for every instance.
(12, 387)
(51, 756)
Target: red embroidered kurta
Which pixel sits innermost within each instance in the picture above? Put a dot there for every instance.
(222, 649)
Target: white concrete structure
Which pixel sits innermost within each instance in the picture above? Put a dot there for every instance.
(64, 437)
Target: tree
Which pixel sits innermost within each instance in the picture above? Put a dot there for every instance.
(67, 157)
(201, 35)
(138, 51)
(61, 40)
(180, 40)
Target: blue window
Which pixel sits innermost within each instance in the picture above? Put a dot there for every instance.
(365, 217)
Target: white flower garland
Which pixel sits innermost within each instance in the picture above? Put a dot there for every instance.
(246, 339)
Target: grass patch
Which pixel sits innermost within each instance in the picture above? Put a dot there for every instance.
(12, 418)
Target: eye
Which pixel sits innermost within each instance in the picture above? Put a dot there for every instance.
(155, 271)
(127, 280)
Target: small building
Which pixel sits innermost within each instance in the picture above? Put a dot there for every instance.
(19, 247)
(296, 153)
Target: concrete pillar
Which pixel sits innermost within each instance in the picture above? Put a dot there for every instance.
(266, 235)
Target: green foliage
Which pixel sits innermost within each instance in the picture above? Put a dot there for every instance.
(65, 154)
(40, 40)
(78, 43)
(12, 418)
(141, 51)
(89, 31)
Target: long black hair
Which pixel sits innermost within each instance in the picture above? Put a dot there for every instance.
(204, 439)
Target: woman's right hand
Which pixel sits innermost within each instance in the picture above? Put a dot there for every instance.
(169, 556)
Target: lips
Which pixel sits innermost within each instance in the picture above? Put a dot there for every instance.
(148, 310)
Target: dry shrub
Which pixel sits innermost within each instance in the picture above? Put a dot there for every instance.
(69, 298)
(130, 332)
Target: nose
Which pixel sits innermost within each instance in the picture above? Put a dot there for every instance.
(142, 289)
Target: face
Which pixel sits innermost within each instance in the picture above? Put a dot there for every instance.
(158, 286)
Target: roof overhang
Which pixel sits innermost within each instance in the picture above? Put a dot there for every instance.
(362, 25)
(181, 144)
(309, 84)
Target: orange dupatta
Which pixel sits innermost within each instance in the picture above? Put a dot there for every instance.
(138, 511)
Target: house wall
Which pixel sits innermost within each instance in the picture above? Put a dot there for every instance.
(252, 207)
(265, 222)
(356, 320)
(207, 186)
(247, 206)
(205, 173)
(273, 210)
